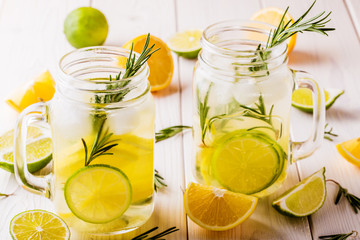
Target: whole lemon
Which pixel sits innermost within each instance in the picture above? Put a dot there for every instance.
(86, 26)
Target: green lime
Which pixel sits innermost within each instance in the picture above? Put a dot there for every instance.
(247, 161)
(302, 98)
(305, 198)
(38, 224)
(98, 193)
(86, 26)
(186, 44)
(38, 150)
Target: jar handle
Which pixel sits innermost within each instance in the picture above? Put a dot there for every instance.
(39, 185)
(306, 148)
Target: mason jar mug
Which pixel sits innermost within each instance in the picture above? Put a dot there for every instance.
(102, 130)
(241, 110)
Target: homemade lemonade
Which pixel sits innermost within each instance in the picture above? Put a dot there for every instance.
(241, 109)
(133, 156)
(241, 131)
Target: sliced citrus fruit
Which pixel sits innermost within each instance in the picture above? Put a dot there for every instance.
(305, 198)
(161, 64)
(98, 193)
(302, 98)
(38, 224)
(350, 150)
(38, 149)
(217, 209)
(42, 88)
(247, 161)
(272, 15)
(186, 43)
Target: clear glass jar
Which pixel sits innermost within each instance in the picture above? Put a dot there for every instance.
(88, 107)
(241, 118)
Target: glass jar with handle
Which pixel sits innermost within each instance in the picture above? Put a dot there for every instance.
(241, 110)
(102, 177)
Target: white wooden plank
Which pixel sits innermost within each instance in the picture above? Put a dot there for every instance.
(32, 39)
(332, 60)
(265, 223)
(128, 19)
(353, 7)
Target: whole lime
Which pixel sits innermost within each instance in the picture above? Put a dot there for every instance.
(86, 26)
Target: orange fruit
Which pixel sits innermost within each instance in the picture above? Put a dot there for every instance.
(161, 64)
(272, 15)
(217, 209)
(350, 150)
(42, 88)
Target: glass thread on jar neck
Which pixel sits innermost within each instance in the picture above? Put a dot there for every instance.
(231, 48)
(84, 76)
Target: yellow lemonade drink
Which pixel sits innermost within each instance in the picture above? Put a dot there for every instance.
(132, 155)
(242, 138)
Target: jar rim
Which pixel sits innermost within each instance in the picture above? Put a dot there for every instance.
(115, 51)
(238, 24)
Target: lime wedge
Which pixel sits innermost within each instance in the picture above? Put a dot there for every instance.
(305, 198)
(38, 224)
(98, 193)
(38, 150)
(247, 161)
(302, 98)
(186, 44)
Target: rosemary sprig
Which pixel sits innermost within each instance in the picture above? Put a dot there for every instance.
(352, 199)
(328, 134)
(259, 112)
(341, 236)
(144, 236)
(158, 181)
(132, 66)
(100, 146)
(169, 132)
(4, 195)
(203, 110)
(285, 30)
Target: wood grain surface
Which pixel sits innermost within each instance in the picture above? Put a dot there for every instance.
(32, 39)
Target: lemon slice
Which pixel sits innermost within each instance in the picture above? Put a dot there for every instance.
(273, 16)
(38, 150)
(38, 224)
(186, 44)
(350, 150)
(42, 88)
(247, 161)
(161, 64)
(98, 193)
(217, 209)
(305, 198)
(302, 98)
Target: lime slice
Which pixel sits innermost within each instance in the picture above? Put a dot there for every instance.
(38, 224)
(186, 44)
(302, 98)
(98, 193)
(247, 161)
(305, 198)
(38, 150)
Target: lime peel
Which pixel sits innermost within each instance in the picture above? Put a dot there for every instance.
(302, 98)
(29, 222)
(305, 198)
(87, 189)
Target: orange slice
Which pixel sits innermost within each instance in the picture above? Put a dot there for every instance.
(273, 16)
(350, 150)
(217, 209)
(161, 64)
(42, 88)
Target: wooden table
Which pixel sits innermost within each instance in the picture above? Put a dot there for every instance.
(32, 39)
